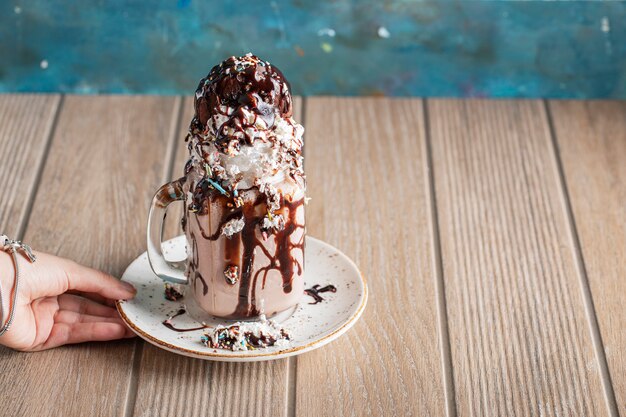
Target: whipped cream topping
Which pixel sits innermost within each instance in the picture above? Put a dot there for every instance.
(243, 134)
(274, 155)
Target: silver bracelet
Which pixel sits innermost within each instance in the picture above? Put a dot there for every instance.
(12, 247)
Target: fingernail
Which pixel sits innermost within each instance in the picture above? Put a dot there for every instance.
(128, 287)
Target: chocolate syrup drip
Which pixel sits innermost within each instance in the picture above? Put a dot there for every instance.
(167, 323)
(193, 275)
(284, 246)
(316, 290)
(284, 262)
(183, 221)
(247, 299)
(240, 250)
(234, 214)
(176, 329)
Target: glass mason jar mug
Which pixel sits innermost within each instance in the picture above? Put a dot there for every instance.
(235, 267)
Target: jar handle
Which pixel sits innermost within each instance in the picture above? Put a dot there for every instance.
(166, 270)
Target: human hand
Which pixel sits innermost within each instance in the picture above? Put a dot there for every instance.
(60, 302)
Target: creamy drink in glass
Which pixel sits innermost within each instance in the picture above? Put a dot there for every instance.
(244, 194)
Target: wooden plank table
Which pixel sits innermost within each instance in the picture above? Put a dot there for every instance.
(492, 234)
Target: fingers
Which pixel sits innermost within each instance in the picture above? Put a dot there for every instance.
(83, 305)
(64, 333)
(71, 317)
(86, 279)
(75, 309)
(51, 276)
(95, 297)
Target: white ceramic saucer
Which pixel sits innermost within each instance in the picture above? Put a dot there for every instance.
(310, 326)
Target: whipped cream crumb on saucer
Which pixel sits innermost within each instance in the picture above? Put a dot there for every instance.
(243, 336)
(172, 292)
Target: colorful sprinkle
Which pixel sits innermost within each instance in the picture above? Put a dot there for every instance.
(218, 187)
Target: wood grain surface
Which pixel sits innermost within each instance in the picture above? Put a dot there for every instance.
(492, 235)
(105, 160)
(521, 344)
(366, 170)
(592, 143)
(176, 385)
(26, 123)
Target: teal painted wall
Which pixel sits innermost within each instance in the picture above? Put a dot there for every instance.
(343, 47)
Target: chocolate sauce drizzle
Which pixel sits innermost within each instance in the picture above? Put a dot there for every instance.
(284, 261)
(240, 250)
(234, 90)
(316, 290)
(241, 83)
(193, 275)
(168, 323)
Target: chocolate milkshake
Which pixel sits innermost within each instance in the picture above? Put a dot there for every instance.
(244, 191)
